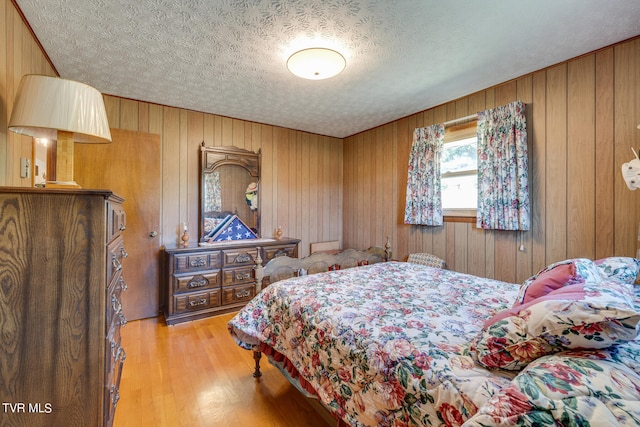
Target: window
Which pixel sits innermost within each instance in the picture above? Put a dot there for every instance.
(459, 170)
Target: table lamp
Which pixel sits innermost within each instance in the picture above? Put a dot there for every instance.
(60, 110)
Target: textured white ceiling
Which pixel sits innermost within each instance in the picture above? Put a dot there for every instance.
(228, 57)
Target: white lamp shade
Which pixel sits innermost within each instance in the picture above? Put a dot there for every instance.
(316, 63)
(47, 104)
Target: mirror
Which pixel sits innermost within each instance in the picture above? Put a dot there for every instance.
(229, 186)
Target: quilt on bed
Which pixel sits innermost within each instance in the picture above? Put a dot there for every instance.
(385, 344)
(389, 345)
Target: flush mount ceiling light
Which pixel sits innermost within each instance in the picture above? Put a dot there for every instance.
(316, 63)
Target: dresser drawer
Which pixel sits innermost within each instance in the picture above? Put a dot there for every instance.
(197, 281)
(198, 301)
(196, 261)
(115, 254)
(112, 393)
(238, 257)
(238, 293)
(272, 252)
(115, 352)
(114, 302)
(236, 276)
(117, 220)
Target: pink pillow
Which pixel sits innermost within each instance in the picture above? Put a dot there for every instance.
(549, 281)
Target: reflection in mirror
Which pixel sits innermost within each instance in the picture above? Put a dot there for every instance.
(229, 186)
(225, 193)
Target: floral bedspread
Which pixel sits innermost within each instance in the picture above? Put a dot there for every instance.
(571, 388)
(388, 345)
(385, 344)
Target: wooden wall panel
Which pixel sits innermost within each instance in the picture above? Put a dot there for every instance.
(582, 117)
(581, 158)
(556, 172)
(537, 144)
(302, 175)
(627, 135)
(604, 152)
(19, 55)
(524, 254)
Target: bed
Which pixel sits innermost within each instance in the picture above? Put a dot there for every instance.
(399, 344)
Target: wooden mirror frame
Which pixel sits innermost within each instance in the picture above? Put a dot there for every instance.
(214, 157)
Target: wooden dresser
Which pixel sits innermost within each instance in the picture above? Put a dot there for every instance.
(61, 257)
(202, 281)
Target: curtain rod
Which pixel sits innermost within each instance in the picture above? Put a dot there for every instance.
(461, 119)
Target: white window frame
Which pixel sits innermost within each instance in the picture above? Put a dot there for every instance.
(452, 134)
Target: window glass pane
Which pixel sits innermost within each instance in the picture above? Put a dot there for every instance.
(460, 192)
(459, 156)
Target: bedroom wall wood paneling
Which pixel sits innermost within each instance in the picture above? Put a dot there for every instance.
(301, 179)
(582, 114)
(582, 120)
(19, 54)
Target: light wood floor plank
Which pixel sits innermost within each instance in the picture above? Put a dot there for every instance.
(193, 374)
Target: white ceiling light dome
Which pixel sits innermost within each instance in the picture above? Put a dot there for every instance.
(316, 63)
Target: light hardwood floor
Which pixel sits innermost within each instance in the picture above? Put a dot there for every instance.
(193, 374)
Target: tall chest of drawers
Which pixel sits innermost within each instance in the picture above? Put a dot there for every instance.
(61, 254)
(202, 281)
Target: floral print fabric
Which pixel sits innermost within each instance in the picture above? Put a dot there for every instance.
(624, 269)
(582, 316)
(384, 344)
(424, 201)
(572, 388)
(503, 183)
(585, 271)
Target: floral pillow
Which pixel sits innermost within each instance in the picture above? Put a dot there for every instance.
(624, 269)
(581, 316)
(571, 388)
(557, 275)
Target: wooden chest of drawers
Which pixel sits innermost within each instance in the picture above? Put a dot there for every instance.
(202, 281)
(61, 253)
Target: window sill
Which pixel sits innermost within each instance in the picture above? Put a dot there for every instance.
(459, 215)
(452, 218)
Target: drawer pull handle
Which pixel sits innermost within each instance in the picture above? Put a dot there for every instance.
(120, 354)
(197, 282)
(115, 396)
(123, 252)
(198, 303)
(116, 263)
(243, 294)
(116, 349)
(243, 276)
(123, 319)
(198, 262)
(116, 304)
(123, 227)
(242, 258)
(123, 284)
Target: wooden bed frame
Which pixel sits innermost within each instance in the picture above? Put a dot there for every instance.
(284, 267)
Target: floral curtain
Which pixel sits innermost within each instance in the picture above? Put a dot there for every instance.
(212, 192)
(424, 203)
(503, 183)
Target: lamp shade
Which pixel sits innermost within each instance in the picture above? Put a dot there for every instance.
(316, 63)
(45, 105)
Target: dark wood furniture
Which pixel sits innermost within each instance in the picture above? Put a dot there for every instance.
(202, 281)
(61, 255)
